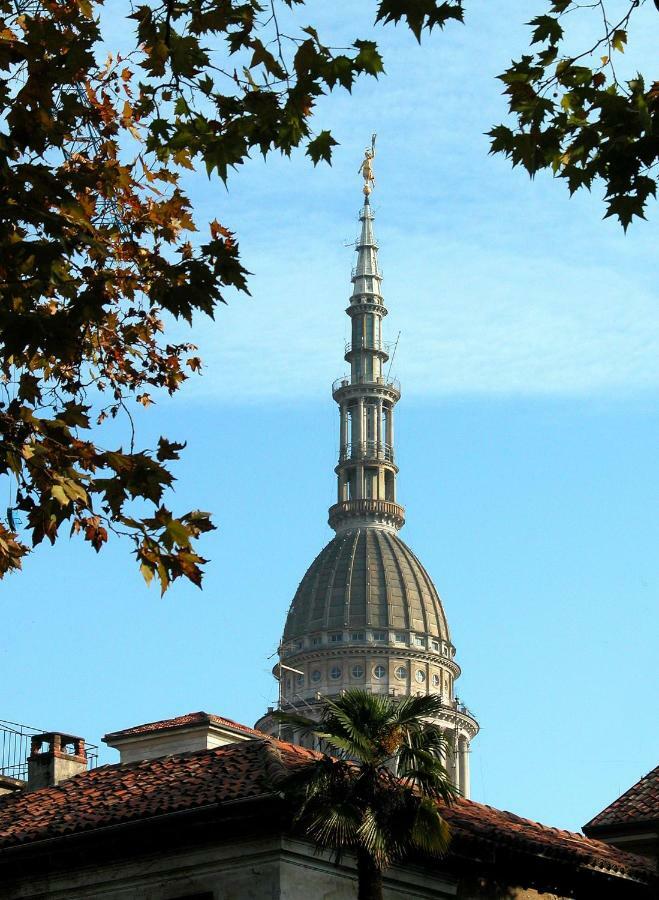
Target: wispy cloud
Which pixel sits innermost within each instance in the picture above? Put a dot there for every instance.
(471, 321)
(498, 285)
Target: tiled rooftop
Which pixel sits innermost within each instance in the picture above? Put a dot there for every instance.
(116, 794)
(190, 719)
(639, 804)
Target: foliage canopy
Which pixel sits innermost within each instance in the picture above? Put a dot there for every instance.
(97, 236)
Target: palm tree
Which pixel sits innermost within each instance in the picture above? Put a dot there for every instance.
(376, 796)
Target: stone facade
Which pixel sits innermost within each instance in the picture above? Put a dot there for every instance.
(266, 869)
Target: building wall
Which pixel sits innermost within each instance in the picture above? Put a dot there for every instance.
(276, 869)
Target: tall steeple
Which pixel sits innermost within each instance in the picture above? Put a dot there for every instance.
(366, 469)
(366, 614)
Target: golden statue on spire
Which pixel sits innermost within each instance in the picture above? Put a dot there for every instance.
(366, 168)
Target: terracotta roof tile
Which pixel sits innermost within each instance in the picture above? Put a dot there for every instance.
(188, 781)
(499, 827)
(189, 719)
(639, 804)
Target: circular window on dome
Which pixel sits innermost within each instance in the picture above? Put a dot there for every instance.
(420, 676)
(357, 671)
(315, 675)
(379, 671)
(335, 672)
(435, 680)
(401, 672)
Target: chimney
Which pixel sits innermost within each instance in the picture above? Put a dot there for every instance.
(53, 758)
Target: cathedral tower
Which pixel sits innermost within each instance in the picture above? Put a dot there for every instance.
(366, 613)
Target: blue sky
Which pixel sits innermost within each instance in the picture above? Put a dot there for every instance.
(527, 438)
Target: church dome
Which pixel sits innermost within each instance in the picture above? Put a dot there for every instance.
(366, 616)
(366, 578)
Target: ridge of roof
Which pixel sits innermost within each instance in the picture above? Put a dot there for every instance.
(120, 794)
(640, 803)
(186, 720)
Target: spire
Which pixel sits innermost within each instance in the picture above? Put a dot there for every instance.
(366, 469)
(366, 275)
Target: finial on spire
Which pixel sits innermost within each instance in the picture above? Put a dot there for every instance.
(366, 168)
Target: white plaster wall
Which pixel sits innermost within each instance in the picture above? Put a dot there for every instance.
(176, 740)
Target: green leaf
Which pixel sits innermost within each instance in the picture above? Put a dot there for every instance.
(545, 28)
(420, 14)
(178, 533)
(619, 39)
(321, 147)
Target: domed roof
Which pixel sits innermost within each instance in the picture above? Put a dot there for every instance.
(366, 578)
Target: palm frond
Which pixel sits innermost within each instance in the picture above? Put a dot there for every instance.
(430, 833)
(412, 711)
(335, 827)
(347, 746)
(361, 713)
(374, 839)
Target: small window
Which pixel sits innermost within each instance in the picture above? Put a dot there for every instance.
(379, 635)
(336, 638)
(335, 672)
(315, 641)
(435, 680)
(420, 676)
(419, 641)
(401, 672)
(299, 679)
(401, 638)
(357, 636)
(357, 671)
(298, 645)
(315, 675)
(435, 646)
(379, 671)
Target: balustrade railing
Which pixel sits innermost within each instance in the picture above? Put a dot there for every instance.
(364, 344)
(392, 384)
(367, 450)
(15, 742)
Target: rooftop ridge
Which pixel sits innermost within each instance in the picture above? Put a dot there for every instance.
(183, 721)
(118, 794)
